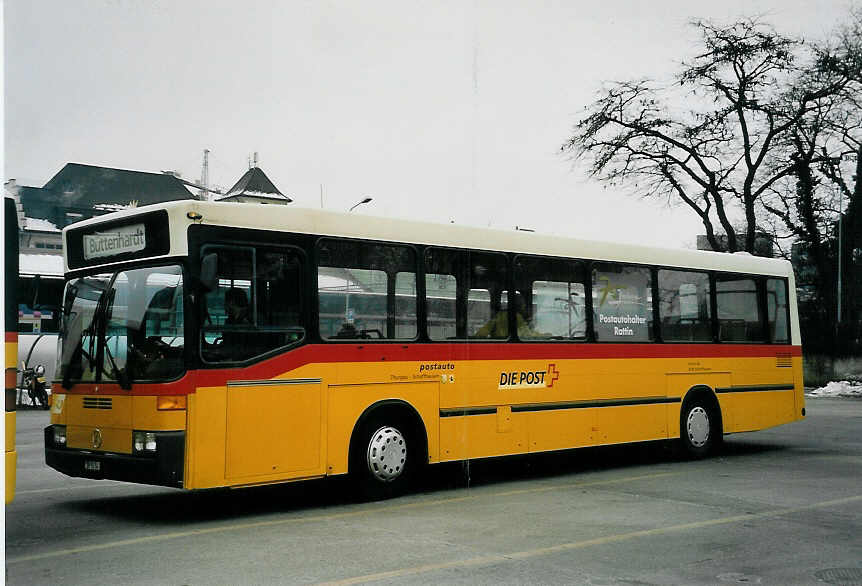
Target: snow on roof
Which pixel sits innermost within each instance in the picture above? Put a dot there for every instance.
(39, 224)
(112, 207)
(47, 265)
(255, 183)
(258, 194)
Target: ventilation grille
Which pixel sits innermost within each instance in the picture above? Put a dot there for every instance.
(97, 402)
(783, 361)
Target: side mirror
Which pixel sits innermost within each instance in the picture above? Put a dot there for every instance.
(209, 271)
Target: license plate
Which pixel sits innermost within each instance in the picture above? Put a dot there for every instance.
(92, 465)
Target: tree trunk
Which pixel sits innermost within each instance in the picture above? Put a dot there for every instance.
(849, 337)
(818, 254)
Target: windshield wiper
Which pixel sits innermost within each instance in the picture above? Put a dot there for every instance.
(116, 373)
(106, 301)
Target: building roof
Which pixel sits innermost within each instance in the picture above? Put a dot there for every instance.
(87, 185)
(254, 183)
(39, 203)
(81, 191)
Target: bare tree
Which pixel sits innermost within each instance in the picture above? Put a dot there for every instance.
(712, 149)
(825, 146)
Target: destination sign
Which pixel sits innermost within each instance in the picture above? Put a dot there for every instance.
(121, 240)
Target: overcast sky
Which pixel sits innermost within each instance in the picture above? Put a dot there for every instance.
(438, 110)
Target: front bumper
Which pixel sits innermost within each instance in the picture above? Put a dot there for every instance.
(164, 468)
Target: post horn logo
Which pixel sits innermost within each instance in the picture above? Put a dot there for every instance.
(97, 438)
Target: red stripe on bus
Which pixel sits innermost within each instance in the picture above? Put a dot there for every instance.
(336, 353)
(11, 337)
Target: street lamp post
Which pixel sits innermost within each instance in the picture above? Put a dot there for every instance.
(359, 203)
(840, 249)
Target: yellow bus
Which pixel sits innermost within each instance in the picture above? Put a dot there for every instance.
(10, 322)
(218, 344)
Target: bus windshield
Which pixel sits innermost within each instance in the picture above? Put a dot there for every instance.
(123, 327)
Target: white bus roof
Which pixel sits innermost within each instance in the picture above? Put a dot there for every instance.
(327, 223)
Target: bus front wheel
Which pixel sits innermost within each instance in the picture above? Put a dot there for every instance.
(382, 459)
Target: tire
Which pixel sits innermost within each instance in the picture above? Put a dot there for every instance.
(699, 429)
(384, 456)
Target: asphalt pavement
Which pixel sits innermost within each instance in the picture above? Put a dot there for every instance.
(780, 506)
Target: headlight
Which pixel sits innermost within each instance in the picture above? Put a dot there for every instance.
(60, 436)
(144, 441)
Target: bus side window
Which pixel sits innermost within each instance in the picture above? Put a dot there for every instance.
(739, 313)
(220, 331)
(487, 297)
(465, 294)
(366, 290)
(441, 298)
(776, 307)
(622, 302)
(446, 293)
(684, 306)
(405, 317)
(255, 307)
(555, 300)
(278, 300)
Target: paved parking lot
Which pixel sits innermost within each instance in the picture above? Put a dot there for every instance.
(782, 506)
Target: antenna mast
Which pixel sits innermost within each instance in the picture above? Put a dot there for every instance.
(205, 177)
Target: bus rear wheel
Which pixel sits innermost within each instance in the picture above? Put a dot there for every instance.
(700, 429)
(382, 459)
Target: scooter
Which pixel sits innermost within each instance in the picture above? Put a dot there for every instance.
(33, 382)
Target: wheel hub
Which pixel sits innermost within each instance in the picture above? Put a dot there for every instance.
(387, 454)
(697, 427)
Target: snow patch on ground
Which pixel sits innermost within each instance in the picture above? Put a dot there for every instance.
(840, 388)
